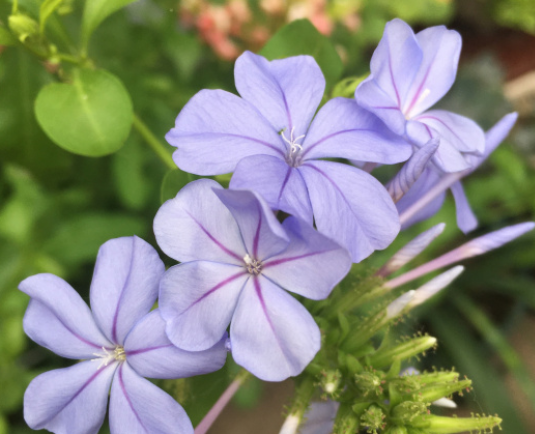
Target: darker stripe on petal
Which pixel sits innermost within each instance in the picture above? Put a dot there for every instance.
(123, 389)
(218, 243)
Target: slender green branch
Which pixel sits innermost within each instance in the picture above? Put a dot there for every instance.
(153, 142)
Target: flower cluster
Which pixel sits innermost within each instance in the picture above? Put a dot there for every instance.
(244, 263)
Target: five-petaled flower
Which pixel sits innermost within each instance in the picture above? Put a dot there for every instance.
(409, 74)
(119, 341)
(267, 137)
(236, 259)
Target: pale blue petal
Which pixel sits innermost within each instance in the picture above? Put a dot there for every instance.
(311, 265)
(441, 49)
(342, 129)
(260, 231)
(197, 300)
(58, 319)
(151, 354)
(460, 132)
(447, 158)
(216, 129)
(287, 91)
(125, 285)
(466, 220)
(351, 207)
(281, 185)
(396, 61)
(371, 97)
(273, 336)
(70, 400)
(139, 407)
(196, 225)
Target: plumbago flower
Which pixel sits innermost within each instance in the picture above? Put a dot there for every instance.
(266, 137)
(431, 178)
(409, 74)
(119, 342)
(237, 262)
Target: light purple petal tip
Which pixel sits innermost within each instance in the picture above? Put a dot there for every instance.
(58, 319)
(495, 239)
(138, 406)
(412, 249)
(411, 171)
(273, 335)
(311, 265)
(125, 285)
(71, 400)
(466, 219)
(287, 91)
(196, 225)
(337, 192)
(431, 288)
(216, 129)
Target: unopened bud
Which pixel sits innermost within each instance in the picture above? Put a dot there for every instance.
(449, 425)
(405, 412)
(434, 392)
(412, 249)
(373, 419)
(429, 289)
(403, 351)
(23, 26)
(399, 304)
(370, 382)
(330, 382)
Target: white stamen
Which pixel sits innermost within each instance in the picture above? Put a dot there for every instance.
(247, 259)
(107, 357)
(294, 147)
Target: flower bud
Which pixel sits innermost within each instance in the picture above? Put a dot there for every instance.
(370, 382)
(373, 419)
(407, 411)
(403, 351)
(449, 425)
(23, 26)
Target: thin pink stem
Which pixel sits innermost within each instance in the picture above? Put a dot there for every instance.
(451, 257)
(221, 403)
(445, 183)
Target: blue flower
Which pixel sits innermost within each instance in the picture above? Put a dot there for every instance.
(409, 74)
(237, 262)
(431, 178)
(267, 137)
(119, 341)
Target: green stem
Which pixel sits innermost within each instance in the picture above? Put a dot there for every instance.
(303, 395)
(15, 7)
(154, 143)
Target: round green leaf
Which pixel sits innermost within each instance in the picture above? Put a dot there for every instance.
(90, 116)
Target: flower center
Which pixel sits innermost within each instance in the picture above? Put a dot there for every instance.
(293, 148)
(253, 266)
(106, 356)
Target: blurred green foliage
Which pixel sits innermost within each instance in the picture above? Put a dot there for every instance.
(73, 73)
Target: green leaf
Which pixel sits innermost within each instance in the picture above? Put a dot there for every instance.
(95, 12)
(6, 37)
(78, 240)
(172, 182)
(91, 116)
(47, 8)
(301, 37)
